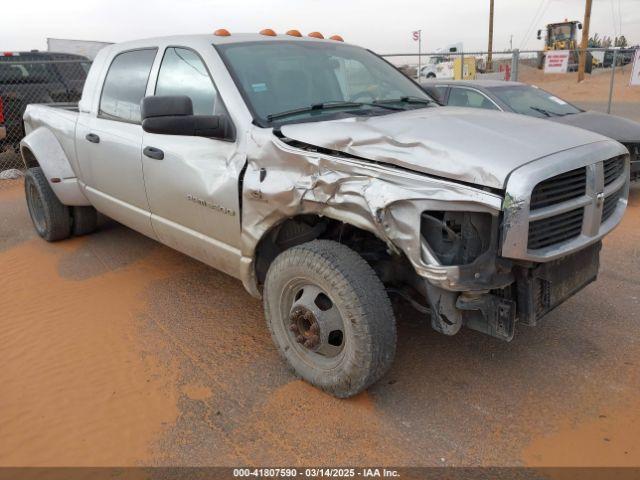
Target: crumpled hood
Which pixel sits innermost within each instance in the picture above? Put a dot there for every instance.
(470, 145)
(618, 128)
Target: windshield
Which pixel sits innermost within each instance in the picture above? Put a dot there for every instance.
(533, 101)
(437, 60)
(282, 76)
(560, 32)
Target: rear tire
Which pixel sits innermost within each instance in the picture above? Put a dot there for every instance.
(51, 219)
(85, 220)
(330, 317)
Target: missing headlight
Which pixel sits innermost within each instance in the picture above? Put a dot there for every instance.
(457, 238)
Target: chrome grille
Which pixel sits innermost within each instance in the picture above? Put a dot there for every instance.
(563, 187)
(609, 205)
(613, 168)
(542, 223)
(634, 150)
(556, 229)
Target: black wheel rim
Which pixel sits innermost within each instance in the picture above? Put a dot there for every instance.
(36, 208)
(314, 325)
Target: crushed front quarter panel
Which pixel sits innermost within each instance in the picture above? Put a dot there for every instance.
(283, 181)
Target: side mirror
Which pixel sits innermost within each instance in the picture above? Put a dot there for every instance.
(539, 34)
(173, 115)
(579, 26)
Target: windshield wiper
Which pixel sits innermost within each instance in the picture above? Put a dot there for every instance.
(548, 113)
(407, 99)
(326, 106)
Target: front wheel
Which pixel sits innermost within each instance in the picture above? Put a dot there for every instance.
(330, 317)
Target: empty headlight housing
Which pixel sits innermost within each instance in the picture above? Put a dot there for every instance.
(457, 238)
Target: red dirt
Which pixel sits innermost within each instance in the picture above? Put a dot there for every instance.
(595, 87)
(118, 351)
(75, 389)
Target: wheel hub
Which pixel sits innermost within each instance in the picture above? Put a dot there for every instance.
(304, 325)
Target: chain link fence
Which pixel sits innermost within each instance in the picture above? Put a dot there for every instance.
(27, 78)
(46, 78)
(606, 87)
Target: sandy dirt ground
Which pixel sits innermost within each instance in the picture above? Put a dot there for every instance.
(119, 351)
(595, 87)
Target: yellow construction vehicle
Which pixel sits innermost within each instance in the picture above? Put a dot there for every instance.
(564, 36)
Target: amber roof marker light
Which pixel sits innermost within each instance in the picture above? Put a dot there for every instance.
(337, 38)
(316, 35)
(294, 33)
(268, 32)
(222, 32)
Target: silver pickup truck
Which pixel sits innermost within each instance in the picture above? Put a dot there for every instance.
(327, 181)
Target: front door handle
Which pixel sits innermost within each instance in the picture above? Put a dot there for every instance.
(153, 152)
(93, 138)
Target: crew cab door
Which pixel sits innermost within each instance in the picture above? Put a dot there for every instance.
(109, 142)
(192, 182)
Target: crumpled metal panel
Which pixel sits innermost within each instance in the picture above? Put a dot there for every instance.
(469, 145)
(283, 181)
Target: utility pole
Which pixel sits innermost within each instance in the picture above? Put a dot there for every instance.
(419, 53)
(490, 55)
(585, 41)
(511, 43)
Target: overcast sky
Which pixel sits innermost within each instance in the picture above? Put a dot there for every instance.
(382, 25)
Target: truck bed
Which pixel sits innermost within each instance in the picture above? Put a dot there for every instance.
(60, 119)
(69, 106)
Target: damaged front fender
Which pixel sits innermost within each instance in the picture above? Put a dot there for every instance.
(285, 179)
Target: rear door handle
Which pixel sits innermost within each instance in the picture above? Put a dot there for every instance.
(153, 152)
(93, 138)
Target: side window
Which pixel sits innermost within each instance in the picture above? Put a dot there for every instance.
(439, 92)
(442, 90)
(182, 72)
(463, 97)
(125, 85)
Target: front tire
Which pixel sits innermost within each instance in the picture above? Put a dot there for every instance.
(330, 317)
(50, 218)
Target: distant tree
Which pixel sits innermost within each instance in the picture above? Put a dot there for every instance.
(621, 42)
(595, 41)
(606, 42)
